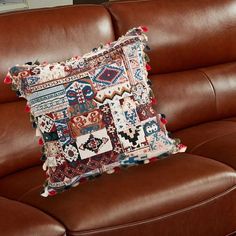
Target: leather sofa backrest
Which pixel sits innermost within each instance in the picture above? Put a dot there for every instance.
(45, 35)
(50, 35)
(193, 53)
(183, 34)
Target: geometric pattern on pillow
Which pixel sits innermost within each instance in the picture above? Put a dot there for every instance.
(94, 113)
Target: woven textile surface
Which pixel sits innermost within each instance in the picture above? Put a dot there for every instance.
(94, 113)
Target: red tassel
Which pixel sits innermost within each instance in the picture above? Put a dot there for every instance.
(154, 101)
(148, 67)
(144, 28)
(164, 121)
(117, 169)
(27, 108)
(7, 80)
(83, 180)
(153, 159)
(52, 192)
(40, 142)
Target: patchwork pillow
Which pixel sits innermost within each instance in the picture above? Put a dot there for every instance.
(95, 113)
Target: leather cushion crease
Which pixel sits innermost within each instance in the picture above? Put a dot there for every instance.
(193, 58)
(95, 208)
(214, 140)
(14, 215)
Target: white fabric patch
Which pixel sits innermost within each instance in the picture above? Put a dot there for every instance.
(93, 144)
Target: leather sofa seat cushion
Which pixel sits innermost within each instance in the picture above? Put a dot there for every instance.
(214, 140)
(21, 219)
(130, 196)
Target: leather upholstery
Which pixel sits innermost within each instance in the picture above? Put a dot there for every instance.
(43, 36)
(19, 146)
(179, 41)
(191, 221)
(193, 59)
(222, 79)
(20, 219)
(214, 140)
(196, 96)
(189, 95)
(110, 200)
(36, 35)
(184, 34)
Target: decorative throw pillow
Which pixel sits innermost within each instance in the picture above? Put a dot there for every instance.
(94, 113)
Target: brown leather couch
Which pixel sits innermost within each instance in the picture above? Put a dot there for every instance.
(193, 56)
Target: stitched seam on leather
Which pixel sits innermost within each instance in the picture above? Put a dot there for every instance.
(137, 223)
(211, 84)
(209, 140)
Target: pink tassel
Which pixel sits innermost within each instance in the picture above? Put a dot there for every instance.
(182, 147)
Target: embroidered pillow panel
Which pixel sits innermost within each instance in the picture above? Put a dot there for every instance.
(94, 113)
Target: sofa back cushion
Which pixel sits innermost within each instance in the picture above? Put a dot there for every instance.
(50, 35)
(192, 47)
(196, 96)
(183, 34)
(44, 35)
